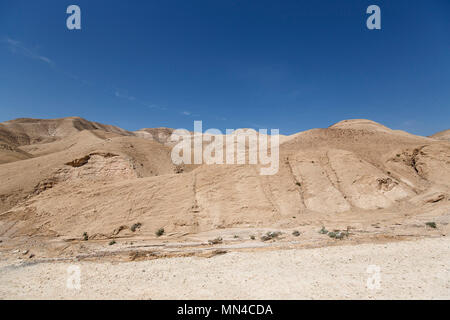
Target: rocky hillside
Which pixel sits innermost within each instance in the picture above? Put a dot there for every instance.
(68, 176)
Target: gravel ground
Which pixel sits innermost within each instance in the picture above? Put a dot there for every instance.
(408, 270)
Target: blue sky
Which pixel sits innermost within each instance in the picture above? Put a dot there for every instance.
(292, 65)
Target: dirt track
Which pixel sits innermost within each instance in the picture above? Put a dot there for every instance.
(408, 270)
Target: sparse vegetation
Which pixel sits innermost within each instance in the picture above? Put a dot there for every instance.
(431, 225)
(337, 234)
(296, 233)
(85, 236)
(252, 237)
(215, 241)
(236, 236)
(136, 226)
(270, 235)
(112, 242)
(159, 232)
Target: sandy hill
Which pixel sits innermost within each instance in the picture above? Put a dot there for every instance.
(72, 176)
(443, 135)
(360, 124)
(23, 138)
(10, 153)
(25, 131)
(161, 135)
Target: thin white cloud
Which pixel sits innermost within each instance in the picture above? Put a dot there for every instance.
(18, 47)
(409, 123)
(119, 94)
(154, 106)
(12, 42)
(123, 94)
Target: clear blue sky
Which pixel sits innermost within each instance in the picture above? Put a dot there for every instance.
(292, 65)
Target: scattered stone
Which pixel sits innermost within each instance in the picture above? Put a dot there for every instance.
(79, 162)
(435, 198)
(215, 241)
(214, 253)
(270, 235)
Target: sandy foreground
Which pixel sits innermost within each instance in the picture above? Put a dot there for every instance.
(408, 270)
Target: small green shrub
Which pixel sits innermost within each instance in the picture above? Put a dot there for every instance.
(136, 226)
(296, 233)
(112, 242)
(270, 235)
(323, 231)
(159, 232)
(252, 237)
(85, 236)
(431, 225)
(337, 234)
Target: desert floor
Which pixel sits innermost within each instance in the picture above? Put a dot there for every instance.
(418, 269)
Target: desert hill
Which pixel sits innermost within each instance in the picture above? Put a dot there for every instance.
(72, 176)
(25, 131)
(10, 153)
(158, 134)
(443, 135)
(24, 138)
